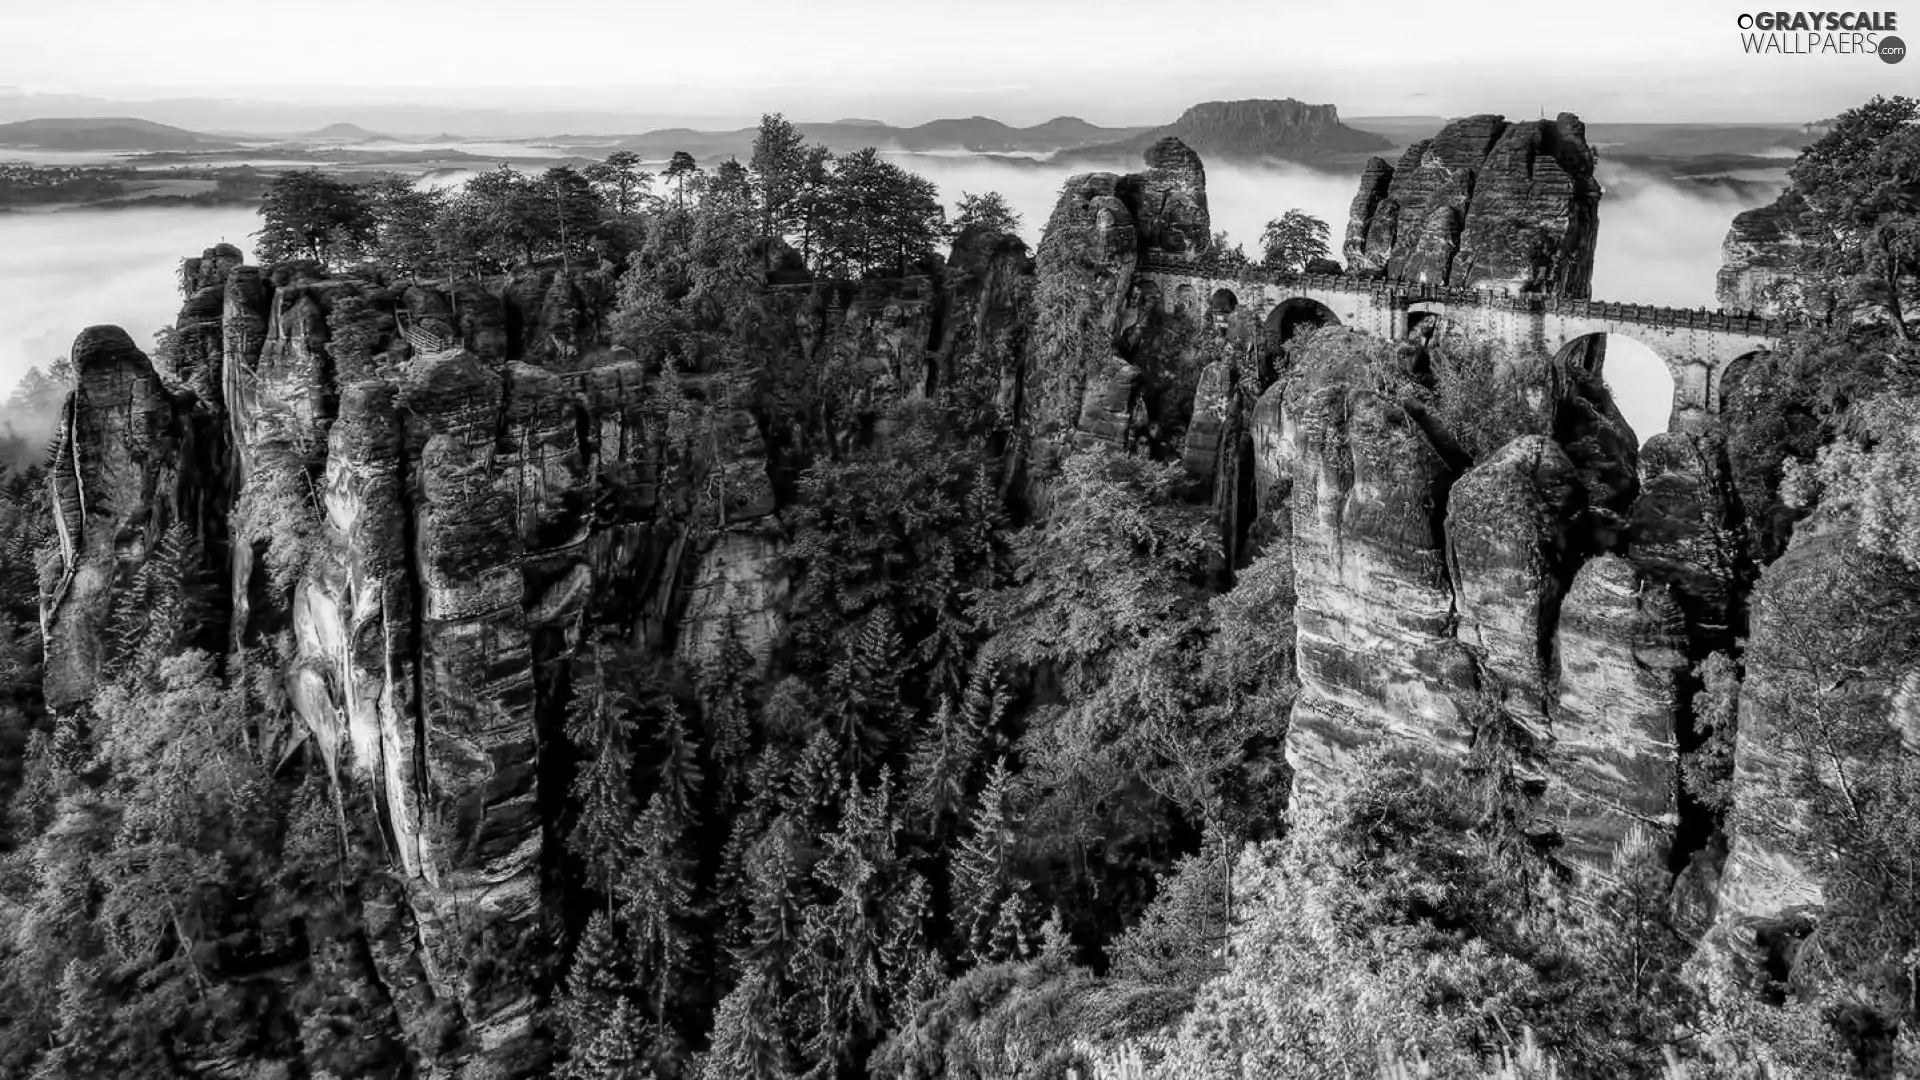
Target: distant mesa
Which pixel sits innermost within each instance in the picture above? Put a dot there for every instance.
(106, 133)
(347, 133)
(1253, 130)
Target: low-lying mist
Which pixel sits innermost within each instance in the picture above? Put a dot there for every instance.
(61, 272)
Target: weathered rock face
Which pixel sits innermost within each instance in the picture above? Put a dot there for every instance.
(1483, 204)
(1169, 202)
(418, 550)
(1106, 363)
(1612, 760)
(1438, 609)
(127, 470)
(1509, 532)
(1684, 533)
(1378, 666)
(1758, 255)
(1085, 263)
(984, 325)
(1826, 706)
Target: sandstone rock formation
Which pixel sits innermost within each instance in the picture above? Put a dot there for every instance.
(1169, 202)
(418, 546)
(1509, 534)
(1758, 256)
(1378, 666)
(1685, 535)
(127, 471)
(1483, 204)
(1621, 649)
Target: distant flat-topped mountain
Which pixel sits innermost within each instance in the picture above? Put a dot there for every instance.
(105, 133)
(1255, 129)
(346, 133)
(974, 134)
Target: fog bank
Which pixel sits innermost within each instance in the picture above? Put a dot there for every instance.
(63, 272)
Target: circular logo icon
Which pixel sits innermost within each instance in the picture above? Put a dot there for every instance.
(1892, 50)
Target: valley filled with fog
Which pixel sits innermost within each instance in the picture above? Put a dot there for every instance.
(1659, 243)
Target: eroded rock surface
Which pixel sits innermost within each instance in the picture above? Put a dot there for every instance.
(1612, 761)
(1378, 665)
(1758, 254)
(1483, 204)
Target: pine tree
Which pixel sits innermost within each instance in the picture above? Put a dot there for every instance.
(83, 1045)
(912, 968)
(866, 687)
(774, 902)
(983, 869)
(1009, 939)
(748, 1042)
(724, 682)
(843, 973)
(595, 982)
(814, 785)
(601, 731)
(949, 753)
(679, 772)
(656, 897)
(612, 1050)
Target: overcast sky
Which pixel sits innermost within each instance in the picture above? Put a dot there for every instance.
(1111, 61)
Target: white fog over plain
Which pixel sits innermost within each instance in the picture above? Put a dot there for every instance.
(64, 271)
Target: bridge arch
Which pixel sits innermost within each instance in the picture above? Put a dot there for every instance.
(1293, 315)
(1426, 317)
(1645, 384)
(1223, 302)
(1732, 376)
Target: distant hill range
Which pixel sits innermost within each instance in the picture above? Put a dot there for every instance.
(1220, 130)
(1251, 130)
(975, 134)
(105, 133)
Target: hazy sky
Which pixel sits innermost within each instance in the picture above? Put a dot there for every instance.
(1112, 61)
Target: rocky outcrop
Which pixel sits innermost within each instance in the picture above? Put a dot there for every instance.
(1758, 255)
(1169, 201)
(1439, 608)
(1684, 533)
(1378, 665)
(1085, 263)
(1825, 715)
(123, 478)
(1483, 204)
(1613, 758)
(1108, 362)
(419, 545)
(1509, 534)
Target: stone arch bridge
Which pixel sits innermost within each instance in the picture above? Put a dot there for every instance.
(1698, 346)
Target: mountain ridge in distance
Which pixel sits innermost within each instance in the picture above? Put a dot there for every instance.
(105, 133)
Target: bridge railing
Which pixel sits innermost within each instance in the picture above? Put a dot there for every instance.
(1393, 290)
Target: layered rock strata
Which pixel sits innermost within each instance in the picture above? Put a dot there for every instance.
(1483, 204)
